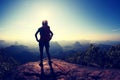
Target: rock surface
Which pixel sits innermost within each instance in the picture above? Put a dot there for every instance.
(62, 71)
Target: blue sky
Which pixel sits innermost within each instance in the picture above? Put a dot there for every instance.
(68, 19)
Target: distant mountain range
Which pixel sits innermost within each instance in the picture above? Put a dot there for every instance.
(23, 54)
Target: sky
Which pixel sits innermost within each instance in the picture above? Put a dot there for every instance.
(68, 19)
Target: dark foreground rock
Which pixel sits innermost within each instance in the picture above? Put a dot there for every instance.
(62, 71)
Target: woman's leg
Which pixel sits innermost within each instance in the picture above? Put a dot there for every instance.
(41, 57)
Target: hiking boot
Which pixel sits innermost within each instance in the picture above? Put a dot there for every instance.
(41, 64)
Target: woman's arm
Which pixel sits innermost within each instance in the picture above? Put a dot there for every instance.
(36, 35)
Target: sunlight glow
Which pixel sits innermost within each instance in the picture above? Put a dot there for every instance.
(66, 22)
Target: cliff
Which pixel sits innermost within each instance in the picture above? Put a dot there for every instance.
(62, 71)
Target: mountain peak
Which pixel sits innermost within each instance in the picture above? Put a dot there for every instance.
(62, 71)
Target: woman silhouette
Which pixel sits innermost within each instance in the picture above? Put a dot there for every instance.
(45, 37)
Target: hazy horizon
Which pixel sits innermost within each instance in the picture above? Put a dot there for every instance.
(69, 20)
(61, 42)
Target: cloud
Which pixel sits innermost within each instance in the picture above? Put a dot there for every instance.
(116, 30)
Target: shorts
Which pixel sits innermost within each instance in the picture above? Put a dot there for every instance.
(44, 43)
